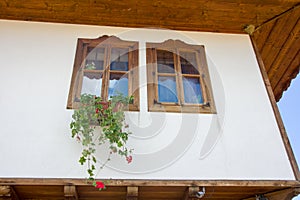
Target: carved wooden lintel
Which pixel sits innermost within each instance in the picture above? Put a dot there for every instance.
(70, 192)
(132, 193)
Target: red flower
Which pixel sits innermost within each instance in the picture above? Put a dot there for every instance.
(99, 185)
(97, 110)
(129, 159)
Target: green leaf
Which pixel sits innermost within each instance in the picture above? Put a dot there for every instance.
(82, 160)
(94, 159)
(111, 120)
(120, 144)
(90, 172)
(74, 132)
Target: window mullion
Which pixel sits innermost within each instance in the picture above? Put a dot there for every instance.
(130, 72)
(179, 87)
(105, 78)
(202, 74)
(155, 75)
(81, 72)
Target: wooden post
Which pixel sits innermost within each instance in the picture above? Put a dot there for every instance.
(132, 193)
(70, 192)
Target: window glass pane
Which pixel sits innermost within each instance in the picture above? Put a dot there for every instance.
(165, 61)
(188, 63)
(95, 58)
(91, 83)
(118, 84)
(119, 59)
(167, 91)
(192, 90)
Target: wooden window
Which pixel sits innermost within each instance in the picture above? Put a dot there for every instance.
(178, 78)
(104, 67)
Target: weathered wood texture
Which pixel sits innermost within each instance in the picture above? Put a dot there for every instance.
(276, 22)
(8, 192)
(278, 42)
(217, 15)
(145, 189)
(70, 192)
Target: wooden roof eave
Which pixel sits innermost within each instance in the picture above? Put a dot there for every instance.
(147, 189)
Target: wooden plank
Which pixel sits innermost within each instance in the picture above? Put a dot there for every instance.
(168, 192)
(283, 194)
(286, 194)
(40, 191)
(277, 114)
(287, 56)
(146, 192)
(285, 81)
(215, 15)
(293, 36)
(111, 192)
(261, 34)
(276, 39)
(149, 182)
(279, 38)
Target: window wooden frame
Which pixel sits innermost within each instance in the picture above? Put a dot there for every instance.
(107, 43)
(176, 46)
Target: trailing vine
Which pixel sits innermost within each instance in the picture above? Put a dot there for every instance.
(109, 116)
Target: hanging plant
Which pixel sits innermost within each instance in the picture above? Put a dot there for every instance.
(97, 122)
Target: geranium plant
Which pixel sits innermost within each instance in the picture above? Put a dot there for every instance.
(97, 122)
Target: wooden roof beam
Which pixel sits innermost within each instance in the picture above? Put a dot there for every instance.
(8, 192)
(194, 193)
(132, 193)
(70, 192)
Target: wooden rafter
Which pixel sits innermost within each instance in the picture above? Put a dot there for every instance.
(132, 193)
(8, 192)
(70, 192)
(278, 43)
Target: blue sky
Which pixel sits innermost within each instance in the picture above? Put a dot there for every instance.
(289, 107)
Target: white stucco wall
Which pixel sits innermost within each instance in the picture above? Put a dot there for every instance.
(242, 141)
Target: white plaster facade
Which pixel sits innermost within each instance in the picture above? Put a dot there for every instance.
(241, 141)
